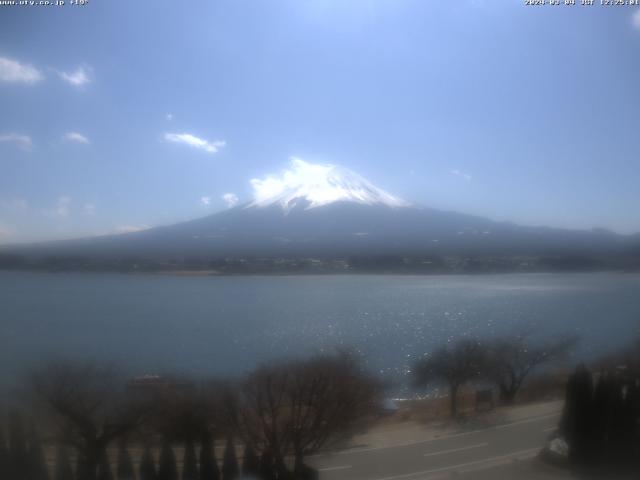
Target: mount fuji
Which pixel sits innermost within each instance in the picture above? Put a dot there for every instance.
(328, 213)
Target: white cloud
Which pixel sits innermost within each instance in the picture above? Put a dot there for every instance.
(89, 208)
(461, 174)
(206, 201)
(231, 199)
(76, 137)
(195, 142)
(15, 72)
(169, 116)
(131, 228)
(23, 141)
(635, 19)
(78, 77)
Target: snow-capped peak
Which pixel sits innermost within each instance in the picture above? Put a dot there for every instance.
(317, 185)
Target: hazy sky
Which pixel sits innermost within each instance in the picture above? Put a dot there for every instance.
(124, 114)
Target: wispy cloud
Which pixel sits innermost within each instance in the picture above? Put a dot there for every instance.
(206, 201)
(231, 199)
(131, 228)
(23, 141)
(461, 174)
(195, 142)
(16, 72)
(78, 77)
(635, 19)
(61, 209)
(76, 137)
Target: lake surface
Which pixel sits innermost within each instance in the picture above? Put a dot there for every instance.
(226, 325)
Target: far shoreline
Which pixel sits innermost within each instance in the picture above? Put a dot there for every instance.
(217, 273)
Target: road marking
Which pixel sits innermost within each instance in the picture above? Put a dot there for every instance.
(527, 420)
(462, 465)
(550, 429)
(329, 469)
(444, 437)
(451, 450)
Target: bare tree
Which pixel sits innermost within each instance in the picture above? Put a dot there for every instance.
(454, 365)
(262, 411)
(301, 407)
(89, 409)
(510, 360)
(329, 398)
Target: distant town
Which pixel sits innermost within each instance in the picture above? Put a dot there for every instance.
(398, 264)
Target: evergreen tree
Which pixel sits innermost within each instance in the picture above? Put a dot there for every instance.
(305, 472)
(251, 462)
(4, 456)
(63, 470)
(104, 467)
(618, 427)
(628, 421)
(147, 467)
(189, 463)
(576, 420)
(601, 416)
(83, 470)
(267, 468)
(208, 464)
(37, 464)
(18, 456)
(230, 470)
(167, 469)
(125, 464)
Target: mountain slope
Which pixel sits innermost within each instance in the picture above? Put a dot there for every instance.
(326, 211)
(337, 230)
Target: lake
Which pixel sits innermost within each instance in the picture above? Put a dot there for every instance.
(226, 325)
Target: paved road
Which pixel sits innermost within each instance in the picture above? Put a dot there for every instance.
(459, 453)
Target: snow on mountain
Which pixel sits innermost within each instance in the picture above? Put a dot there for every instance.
(315, 185)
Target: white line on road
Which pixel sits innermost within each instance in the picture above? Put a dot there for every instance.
(550, 429)
(466, 464)
(329, 469)
(520, 422)
(451, 450)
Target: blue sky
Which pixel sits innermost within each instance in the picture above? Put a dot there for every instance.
(119, 115)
